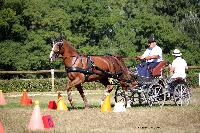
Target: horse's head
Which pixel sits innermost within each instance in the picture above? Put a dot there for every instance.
(57, 49)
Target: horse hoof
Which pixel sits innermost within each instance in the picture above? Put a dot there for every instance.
(87, 106)
(75, 108)
(128, 105)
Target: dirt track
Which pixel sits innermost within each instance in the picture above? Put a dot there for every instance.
(135, 119)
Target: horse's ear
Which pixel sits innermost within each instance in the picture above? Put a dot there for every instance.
(62, 36)
(52, 40)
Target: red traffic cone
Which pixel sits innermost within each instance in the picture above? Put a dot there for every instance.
(47, 121)
(36, 122)
(52, 105)
(1, 128)
(24, 99)
(2, 99)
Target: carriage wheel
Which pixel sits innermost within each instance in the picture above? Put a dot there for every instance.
(156, 95)
(136, 96)
(140, 97)
(181, 95)
(120, 96)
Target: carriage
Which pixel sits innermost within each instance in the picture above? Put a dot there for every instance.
(131, 88)
(156, 90)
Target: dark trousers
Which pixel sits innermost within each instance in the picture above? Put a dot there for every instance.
(144, 69)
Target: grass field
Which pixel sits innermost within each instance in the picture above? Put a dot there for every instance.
(170, 118)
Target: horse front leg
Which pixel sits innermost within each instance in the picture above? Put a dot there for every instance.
(69, 94)
(81, 92)
(77, 83)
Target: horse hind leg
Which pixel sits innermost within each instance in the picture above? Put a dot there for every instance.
(81, 92)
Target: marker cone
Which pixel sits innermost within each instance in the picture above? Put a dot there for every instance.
(106, 106)
(52, 105)
(48, 121)
(60, 103)
(24, 99)
(36, 122)
(2, 99)
(1, 128)
(119, 107)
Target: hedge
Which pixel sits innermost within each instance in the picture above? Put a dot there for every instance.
(44, 85)
(41, 85)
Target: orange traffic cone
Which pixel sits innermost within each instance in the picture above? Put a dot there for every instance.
(36, 122)
(2, 99)
(1, 128)
(106, 107)
(60, 103)
(24, 99)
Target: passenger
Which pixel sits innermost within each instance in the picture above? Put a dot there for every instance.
(177, 69)
(152, 56)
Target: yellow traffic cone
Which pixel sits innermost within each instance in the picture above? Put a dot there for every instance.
(106, 107)
(61, 104)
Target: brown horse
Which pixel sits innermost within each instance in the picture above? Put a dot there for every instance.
(81, 68)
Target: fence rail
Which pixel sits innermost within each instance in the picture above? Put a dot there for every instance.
(48, 71)
(52, 71)
(29, 72)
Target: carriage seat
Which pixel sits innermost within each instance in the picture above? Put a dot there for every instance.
(157, 71)
(180, 80)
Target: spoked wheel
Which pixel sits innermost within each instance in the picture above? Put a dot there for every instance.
(120, 96)
(181, 95)
(137, 96)
(156, 95)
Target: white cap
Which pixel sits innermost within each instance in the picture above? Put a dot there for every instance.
(176, 52)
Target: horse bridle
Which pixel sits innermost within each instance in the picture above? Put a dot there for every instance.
(60, 45)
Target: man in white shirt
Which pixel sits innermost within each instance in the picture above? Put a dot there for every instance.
(177, 69)
(152, 57)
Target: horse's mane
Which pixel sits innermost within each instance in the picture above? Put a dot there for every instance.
(70, 48)
(119, 57)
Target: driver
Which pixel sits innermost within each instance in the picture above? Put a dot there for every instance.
(152, 56)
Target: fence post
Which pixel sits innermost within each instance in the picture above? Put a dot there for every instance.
(199, 79)
(52, 80)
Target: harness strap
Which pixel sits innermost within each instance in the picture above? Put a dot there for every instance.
(90, 64)
(78, 69)
(89, 71)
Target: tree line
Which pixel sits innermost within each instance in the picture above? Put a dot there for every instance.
(96, 27)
